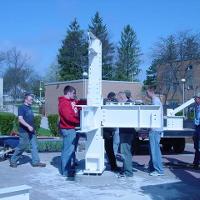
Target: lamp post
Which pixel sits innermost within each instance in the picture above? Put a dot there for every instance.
(85, 75)
(40, 89)
(183, 82)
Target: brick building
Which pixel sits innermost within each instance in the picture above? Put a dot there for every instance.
(173, 77)
(55, 89)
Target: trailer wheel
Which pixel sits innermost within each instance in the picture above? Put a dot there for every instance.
(166, 147)
(179, 145)
(166, 144)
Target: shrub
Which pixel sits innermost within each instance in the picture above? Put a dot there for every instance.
(37, 122)
(179, 113)
(53, 124)
(191, 115)
(7, 121)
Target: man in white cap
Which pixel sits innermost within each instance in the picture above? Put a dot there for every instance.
(196, 136)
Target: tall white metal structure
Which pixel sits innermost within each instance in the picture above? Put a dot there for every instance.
(91, 114)
(95, 115)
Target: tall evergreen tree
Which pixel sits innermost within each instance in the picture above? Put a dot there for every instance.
(72, 58)
(127, 66)
(100, 31)
(151, 75)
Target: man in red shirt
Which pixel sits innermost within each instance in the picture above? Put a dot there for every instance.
(69, 119)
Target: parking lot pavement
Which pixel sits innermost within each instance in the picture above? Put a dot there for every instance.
(179, 182)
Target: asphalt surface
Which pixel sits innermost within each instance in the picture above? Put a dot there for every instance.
(180, 181)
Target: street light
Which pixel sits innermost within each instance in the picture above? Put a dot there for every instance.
(183, 82)
(85, 75)
(40, 89)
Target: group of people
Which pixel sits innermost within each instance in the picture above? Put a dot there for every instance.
(126, 137)
(69, 119)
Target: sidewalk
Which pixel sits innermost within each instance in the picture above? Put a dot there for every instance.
(47, 183)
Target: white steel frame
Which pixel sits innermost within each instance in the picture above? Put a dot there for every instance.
(95, 115)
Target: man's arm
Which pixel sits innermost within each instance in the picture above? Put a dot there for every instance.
(22, 121)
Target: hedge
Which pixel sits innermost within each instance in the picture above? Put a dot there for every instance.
(7, 121)
(37, 122)
(53, 124)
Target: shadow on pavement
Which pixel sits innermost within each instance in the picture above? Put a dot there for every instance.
(186, 187)
(24, 159)
(56, 162)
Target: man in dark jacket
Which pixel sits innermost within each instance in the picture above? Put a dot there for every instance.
(126, 140)
(108, 134)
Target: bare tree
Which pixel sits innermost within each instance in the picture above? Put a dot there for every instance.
(52, 74)
(17, 73)
(175, 54)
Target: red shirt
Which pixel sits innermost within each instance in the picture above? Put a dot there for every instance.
(69, 113)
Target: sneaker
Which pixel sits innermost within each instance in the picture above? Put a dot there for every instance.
(39, 165)
(123, 175)
(71, 177)
(155, 173)
(116, 169)
(13, 165)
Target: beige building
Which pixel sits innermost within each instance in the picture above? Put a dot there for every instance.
(55, 89)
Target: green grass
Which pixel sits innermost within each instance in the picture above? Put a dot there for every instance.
(44, 132)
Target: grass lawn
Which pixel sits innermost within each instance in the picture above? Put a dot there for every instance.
(44, 132)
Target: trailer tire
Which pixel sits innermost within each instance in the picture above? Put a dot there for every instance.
(179, 145)
(166, 147)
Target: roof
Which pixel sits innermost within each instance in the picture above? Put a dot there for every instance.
(81, 80)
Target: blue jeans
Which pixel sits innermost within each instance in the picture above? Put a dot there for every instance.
(155, 163)
(25, 139)
(126, 140)
(196, 139)
(68, 151)
(116, 141)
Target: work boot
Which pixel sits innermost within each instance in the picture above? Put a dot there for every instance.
(39, 165)
(13, 165)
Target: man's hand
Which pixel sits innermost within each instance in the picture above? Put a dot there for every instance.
(30, 128)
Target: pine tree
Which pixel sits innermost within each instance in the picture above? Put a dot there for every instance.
(100, 31)
(127, 66)
(72, 58)
(151, 75)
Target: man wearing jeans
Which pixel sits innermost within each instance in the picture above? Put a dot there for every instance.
(155, 163)
(196, 136)
(126, 140)
(26, 134)
(69, 119)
